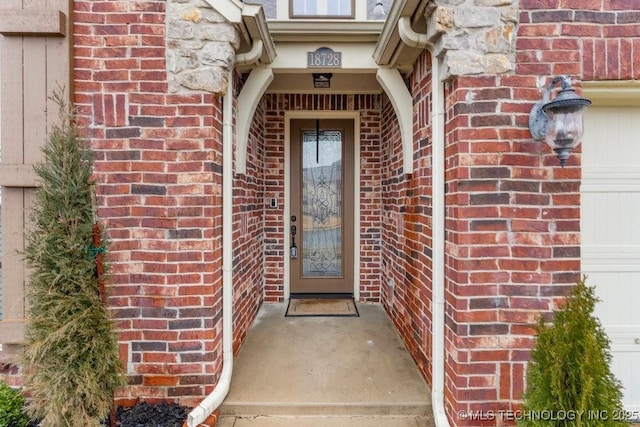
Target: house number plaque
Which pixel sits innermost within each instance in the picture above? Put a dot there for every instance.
(324, 57)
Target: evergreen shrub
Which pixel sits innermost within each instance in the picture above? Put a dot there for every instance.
(12, 412)
(71, 358)
(569, 381)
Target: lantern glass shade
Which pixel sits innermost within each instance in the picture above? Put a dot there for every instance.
(563, 117)
(565, 127)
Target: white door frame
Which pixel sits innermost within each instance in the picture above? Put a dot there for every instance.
(348, 115)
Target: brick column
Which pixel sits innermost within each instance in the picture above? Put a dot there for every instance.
(158, 158)
(513, 242)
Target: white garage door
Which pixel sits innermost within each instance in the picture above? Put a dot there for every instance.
(611, 233)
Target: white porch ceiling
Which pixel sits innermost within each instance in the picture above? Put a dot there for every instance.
(347, 83)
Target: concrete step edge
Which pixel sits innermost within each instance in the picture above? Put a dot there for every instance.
(256, 409)
(328, 421)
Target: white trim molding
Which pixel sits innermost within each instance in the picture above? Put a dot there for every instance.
(231, 10)
(248, 100)
(612, 93)
(402, 101)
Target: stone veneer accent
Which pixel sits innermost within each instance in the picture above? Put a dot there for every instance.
(201, 47)
(474, 36)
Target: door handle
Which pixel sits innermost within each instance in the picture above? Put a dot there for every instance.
(293, 250)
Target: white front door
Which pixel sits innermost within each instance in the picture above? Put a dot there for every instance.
(611, 234)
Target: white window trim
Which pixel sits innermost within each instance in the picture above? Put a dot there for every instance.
(323, 9)
(282, 10)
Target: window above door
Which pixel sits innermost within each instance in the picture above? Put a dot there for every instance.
(309, 9)
(330, 11)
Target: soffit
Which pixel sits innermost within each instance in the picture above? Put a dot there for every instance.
(356, 73)
(345, 83)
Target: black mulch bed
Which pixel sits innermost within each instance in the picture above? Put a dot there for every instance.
(148, 415)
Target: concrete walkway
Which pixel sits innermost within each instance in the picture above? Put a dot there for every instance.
(325, 371)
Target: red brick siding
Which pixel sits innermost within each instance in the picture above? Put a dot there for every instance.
(512, 215)
(11, 374)
(407, 232)
(512, 219)
(370, 202)
(513, 242)
(369, 108)
(158, 171)
(274, 247)
(592, 39)
(250, 206)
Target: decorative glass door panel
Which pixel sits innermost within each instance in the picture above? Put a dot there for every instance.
(321, 247)
(322, 203)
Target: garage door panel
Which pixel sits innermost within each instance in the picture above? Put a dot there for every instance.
(622, 179)
(612, 310)
(606, 129)
(627, 359)
(610, 226)
(624, 362)
(620, 316)
(601, 258)
(607, 220)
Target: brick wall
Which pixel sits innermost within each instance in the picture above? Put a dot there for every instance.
(513, 244)
(250, 206)
(158, 171)
(512, 215)
(274, 244)
(601, 39)
(370, 200)
(275, 106)
(407, 232)
(512, 219)
(11, 374)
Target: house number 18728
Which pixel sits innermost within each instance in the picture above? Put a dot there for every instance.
(324, 57)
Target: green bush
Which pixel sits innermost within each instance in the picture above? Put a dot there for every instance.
(71, 358)
(12, 412)
(569, 374)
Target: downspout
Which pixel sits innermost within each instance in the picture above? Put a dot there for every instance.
(214, 400)
(413, 39)
(438, 250)
(217, 396)
(252, 56)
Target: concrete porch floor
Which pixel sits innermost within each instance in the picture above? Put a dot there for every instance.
(325, 371)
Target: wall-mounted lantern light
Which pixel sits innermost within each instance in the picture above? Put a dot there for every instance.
(322, 80)
(559, 122)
